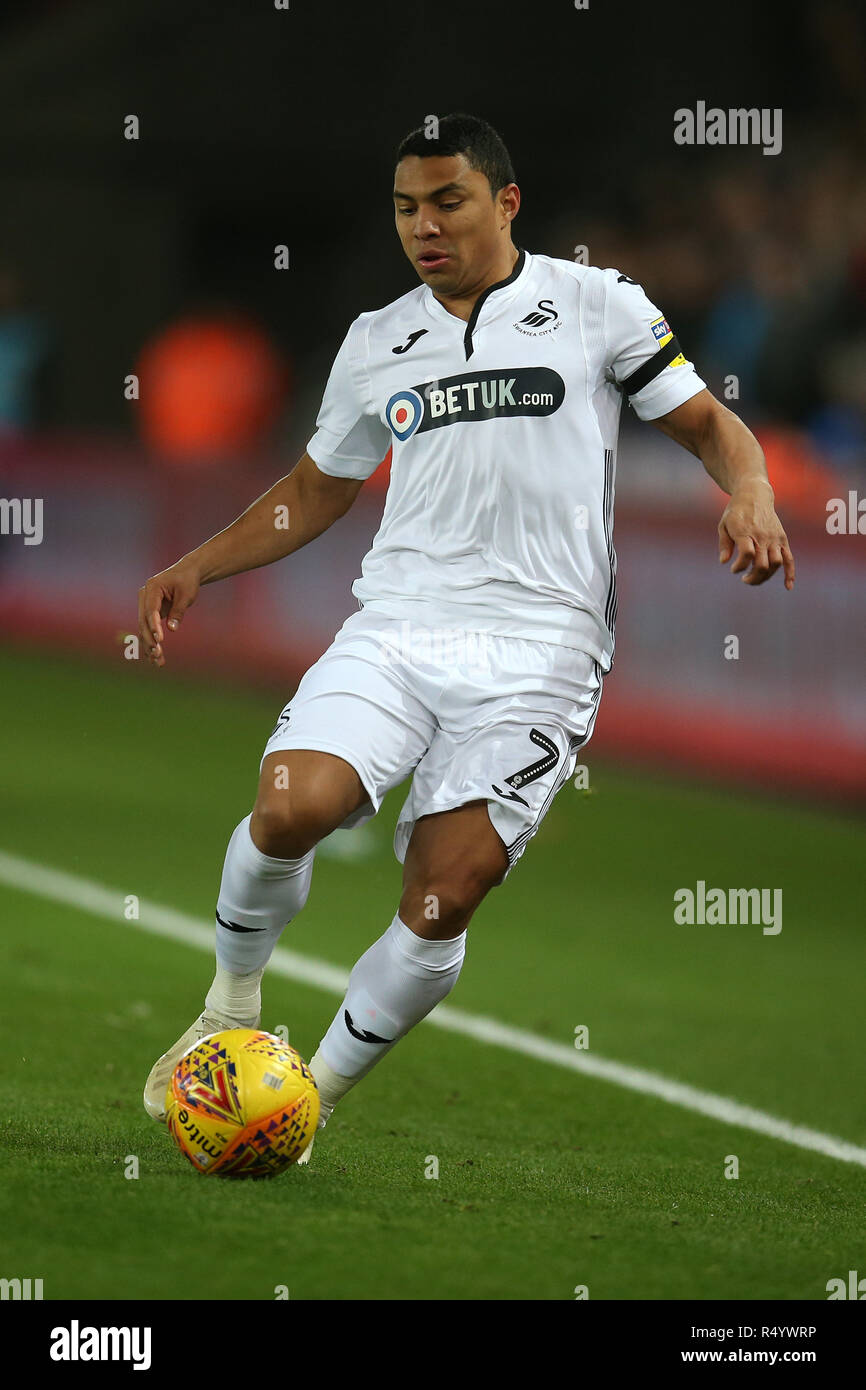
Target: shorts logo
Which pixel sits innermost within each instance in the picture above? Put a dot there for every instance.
(404, 413)
(533, 770)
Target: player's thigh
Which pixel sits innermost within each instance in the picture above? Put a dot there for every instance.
(512, 742)
(452, 861)
(357, 726)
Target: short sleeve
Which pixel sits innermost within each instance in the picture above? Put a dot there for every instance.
(638, 344)
(350, 439)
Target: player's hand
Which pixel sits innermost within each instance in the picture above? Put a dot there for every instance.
(749, 523)
(162, 602)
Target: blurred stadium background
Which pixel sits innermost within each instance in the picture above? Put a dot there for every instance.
(154, 256)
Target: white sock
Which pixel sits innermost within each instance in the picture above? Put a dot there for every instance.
(392, 987)
(236, 997)
(258, 895)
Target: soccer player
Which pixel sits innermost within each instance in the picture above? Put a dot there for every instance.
(487, 600)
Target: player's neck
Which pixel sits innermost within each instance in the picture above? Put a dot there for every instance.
(461, 305)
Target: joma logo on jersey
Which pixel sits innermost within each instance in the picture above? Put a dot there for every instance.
(474, 396)
(543, 319)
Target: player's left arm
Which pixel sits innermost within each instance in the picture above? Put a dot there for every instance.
(734, 459)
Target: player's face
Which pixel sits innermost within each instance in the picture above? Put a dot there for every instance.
(449, 224)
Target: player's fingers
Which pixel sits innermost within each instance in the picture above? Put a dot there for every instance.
(181, 601)
(745, 555)
(774, 557)
(144, 629)
(760, 571)
(156, 654)
(726, 545)
(149, 634)
(155, 601)
(788, 562)
(159, 613)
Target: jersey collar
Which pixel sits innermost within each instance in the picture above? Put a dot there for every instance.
(503, 289)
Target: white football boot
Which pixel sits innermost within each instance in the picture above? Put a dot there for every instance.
(331, 1088)
(156, 1085)
(305, 1156)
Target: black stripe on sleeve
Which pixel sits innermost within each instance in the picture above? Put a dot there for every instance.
(645, 374)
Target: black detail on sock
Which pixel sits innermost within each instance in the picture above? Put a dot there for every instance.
(362, 1035)
(235, 926)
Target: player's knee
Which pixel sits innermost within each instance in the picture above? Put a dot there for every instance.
(288, 826)
(276, 832)
(302, 797)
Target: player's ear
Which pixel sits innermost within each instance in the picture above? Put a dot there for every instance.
(509, 200)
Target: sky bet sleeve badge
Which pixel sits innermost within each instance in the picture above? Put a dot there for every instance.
(663, 332)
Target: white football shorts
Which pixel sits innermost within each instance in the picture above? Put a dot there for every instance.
(474, 716)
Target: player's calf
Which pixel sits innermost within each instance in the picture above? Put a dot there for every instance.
(452, 862)
(265, 884)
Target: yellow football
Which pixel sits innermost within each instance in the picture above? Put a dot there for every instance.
(242, 1103)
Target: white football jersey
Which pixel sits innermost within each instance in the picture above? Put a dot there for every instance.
(499, 511)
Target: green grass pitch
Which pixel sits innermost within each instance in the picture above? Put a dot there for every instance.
(548, 1179)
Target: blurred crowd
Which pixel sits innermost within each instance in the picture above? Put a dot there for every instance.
(759, 264)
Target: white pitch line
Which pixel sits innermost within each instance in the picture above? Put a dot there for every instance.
(96, 898)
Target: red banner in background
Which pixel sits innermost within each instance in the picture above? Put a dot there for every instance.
(755, 686)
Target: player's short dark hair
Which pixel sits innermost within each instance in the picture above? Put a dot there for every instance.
(459, 133)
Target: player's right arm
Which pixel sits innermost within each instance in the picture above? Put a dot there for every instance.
(294, 511)
(349, 444)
